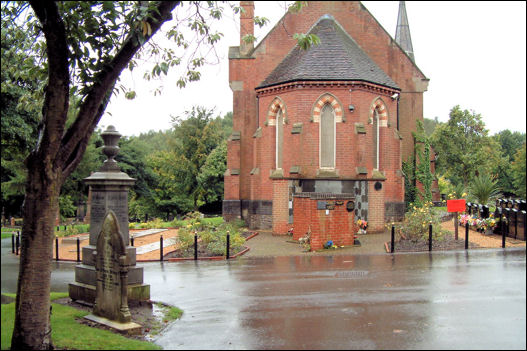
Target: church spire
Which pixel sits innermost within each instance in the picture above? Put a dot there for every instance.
(402, 33)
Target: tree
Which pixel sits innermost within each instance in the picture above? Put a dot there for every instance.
(194, 138)
(510, 143)
(463, 147)
(210, 177)
(518, 168)
(19, 120)
(81, 48)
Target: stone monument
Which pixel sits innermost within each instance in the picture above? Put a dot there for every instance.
(111, 303)
(109, 191)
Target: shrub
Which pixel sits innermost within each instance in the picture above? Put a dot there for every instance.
(483, 189)
(417, 220)
(214, 237)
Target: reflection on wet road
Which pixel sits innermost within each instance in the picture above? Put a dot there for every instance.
(446, 300)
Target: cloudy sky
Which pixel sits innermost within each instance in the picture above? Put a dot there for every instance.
(474, 54)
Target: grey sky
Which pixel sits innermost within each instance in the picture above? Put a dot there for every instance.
(474, 54)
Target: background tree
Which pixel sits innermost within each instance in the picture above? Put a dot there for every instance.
(19, 120)
(518, 168)
(194, 139)
(510, 143)
(463, 147)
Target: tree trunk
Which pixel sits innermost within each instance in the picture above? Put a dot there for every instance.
(32, 328)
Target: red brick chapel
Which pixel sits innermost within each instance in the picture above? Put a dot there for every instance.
(319, 134)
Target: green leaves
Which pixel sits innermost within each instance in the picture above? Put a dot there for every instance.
(464, 147)
(484, 188)
(305, 41)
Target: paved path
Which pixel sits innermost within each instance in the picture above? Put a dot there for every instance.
(265, 245)
(155, 246)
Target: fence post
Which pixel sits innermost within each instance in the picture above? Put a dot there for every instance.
(13, 242)
(228, 245)
(161, 248)
(57, 247)
(466, 236)
(195, 245)
(393, 239)
(132, 240)
(78, 249)
(430, 237)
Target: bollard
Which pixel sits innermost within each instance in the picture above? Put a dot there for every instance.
(132, 240)
(57, 247)
(17, 245)
(430, 237)
(13, 242)
(503, 233)
(228, 245)
(195, 245)
(78, 249)
(161, 248)
(393, 239)
(466, 236)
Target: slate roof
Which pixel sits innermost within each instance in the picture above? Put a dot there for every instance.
(338, 57)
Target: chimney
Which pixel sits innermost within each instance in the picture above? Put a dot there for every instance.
(246, 26)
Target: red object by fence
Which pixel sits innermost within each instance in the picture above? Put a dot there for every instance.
(455, 205)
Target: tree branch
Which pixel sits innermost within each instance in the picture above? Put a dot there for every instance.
(93, 106)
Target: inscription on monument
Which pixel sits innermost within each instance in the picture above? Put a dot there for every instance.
(104, 201)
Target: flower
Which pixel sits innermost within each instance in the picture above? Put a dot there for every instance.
(328, 245)
(362, 224)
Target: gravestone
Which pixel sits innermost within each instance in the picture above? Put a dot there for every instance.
(111, 302)
(108, 191)
(110, 264)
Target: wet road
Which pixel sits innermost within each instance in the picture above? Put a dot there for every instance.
(450, 300)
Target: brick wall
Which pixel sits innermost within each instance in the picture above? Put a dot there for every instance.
(336, 224)
(280, 206)
(376, 208)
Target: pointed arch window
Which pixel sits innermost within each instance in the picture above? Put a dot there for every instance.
(327, 137)
(376, 140)
(279, 139)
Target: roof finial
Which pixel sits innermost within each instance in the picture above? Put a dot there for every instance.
(402, 33)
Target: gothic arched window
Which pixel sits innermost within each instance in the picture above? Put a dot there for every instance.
(279, 139)
(327, 137)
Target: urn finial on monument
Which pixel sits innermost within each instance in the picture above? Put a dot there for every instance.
(111, 138)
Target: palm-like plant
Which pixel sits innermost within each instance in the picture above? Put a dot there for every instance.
(484, 188)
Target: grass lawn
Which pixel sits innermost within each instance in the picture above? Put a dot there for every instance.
(67, 333)
(7, 232)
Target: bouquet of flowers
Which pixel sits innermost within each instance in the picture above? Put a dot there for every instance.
(363, 225)
(330, 245)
